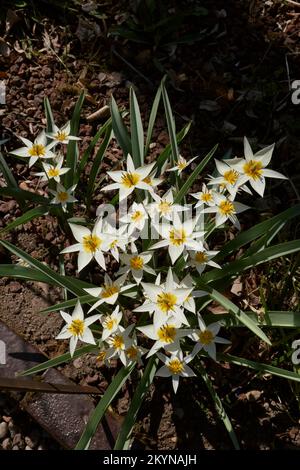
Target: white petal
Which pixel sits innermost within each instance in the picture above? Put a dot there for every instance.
(247, 150)
(274, 174)
(83, 259)
(79, 231)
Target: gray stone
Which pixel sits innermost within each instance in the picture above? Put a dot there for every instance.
(3, 430)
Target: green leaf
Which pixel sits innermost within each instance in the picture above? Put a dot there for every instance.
(49, 116)
(72, 148)
(236, 267)
(96, 165)
(119, 128)
(56, 361)
(232, 308)
(29, 215)
(137, 132)
(10, 179)
(170, 123)
(257, 231)
(260, 367)
(152, 119)
(191, 179)
(83, 299)
(163, 157)
(18, 193)
(73, 285)
(21, 272)
(88, 152)
(273, 319)
(123, 440)
(102, 406)
(218, 405)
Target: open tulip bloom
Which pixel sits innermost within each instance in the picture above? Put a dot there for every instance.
(53, 171)
(110, 290)
(90, 244)
(62, 136)
(178, 237)
(63, 196)
(206, 338)
(253, 167)
(136, 263)
(165, 300)
(35, 150)
(77, 328)
(175, 366)
(225, 208)
(129, 180)
(182, 164)
(164, 207)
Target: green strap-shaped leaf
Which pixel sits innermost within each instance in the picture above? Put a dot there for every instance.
(24, 218)
(73, 285)
(236, 267)
(260, 367)
(102, 406)
(257, 231)
(20, 194)
(190, 181)
(21, 272)
(119, 128)
(152, 119)
(72, 149)
(170, 123)
(123, 440)
(97, 164)
(238, 313)
(163, 157)
(49, 116)
(273, 319)
(88, 152)
(56, 361)
(218, 405)
(137, 132)
(83, 299)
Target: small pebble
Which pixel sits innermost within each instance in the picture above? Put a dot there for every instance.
(15, 448)
(29, 442)
(28, 448)
(3, 430)
(6, 444)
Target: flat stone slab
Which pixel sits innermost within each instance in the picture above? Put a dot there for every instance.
(63, 416)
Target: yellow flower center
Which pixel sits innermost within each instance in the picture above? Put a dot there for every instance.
(76, 327)
(109, 291)
(91, 243)
(253, 169)
(63, 196)
(226, 207)
(231, 176)
(201, 257)
(165, 207)
(130, 179)
(132, 353)
(148, 180)
(53, 172)
(167, 333)
(136, 216)
(109, 323)
(175, 366)
(206, 197)
(101, 356)
(118, 342)
(206, 337)
(182, 164)
(37, 150)
(113, 244)
(166, 301)
(177, 237)
(137, 262)
(61, 136)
